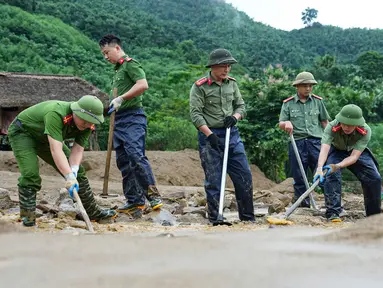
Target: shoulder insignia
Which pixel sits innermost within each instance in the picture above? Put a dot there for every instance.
(288, 99)
(93, 127)
(316, 96)
(231, 78)
(361, 130)
(122, 60)
(67, 120)
(201, 81)
(336, 128)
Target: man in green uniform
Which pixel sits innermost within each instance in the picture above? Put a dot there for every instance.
(305, 116)
(39, 131)
(344, 144)
(130, 129)
(215, 105)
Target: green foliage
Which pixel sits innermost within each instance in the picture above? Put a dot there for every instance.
(371, 64)
(309, 15)
(170, 133)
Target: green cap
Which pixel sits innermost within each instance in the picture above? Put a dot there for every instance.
(352, 115)
(89, 108)
(304, 78)
(220, 56)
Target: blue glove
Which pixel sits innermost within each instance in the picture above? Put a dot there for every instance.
(71, 183)
(319, 175)
(115, 104)
(331, 168)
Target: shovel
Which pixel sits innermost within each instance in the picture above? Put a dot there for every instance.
(313, 204)
(220, 220)
(282, 220)
(83, 212)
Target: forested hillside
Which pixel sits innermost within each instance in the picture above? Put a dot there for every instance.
(172, 39)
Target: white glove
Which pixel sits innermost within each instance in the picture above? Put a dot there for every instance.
(75, 169)
(115, 104)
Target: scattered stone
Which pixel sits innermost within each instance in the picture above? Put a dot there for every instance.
(61, 225)
(47, 208)
(195, 210)
(77, 224)
(5, 199)
(192, 218)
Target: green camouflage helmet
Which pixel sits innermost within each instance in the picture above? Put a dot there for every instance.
(304, 78)
(220, 56)
(352, 115)
(89, 108)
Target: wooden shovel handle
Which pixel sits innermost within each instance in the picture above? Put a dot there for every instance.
(110, 147)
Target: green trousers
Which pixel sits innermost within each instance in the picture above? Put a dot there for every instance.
(27, 150)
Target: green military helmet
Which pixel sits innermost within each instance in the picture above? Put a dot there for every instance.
(351, 114)
(220, 56)
(304, 78)
(89, 108)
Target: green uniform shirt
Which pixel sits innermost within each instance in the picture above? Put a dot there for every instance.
(53, 118)
(127, 72)
(358, 140)
(210, 102)
(305, 117)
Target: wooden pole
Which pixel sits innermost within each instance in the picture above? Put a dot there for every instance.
(110, 148)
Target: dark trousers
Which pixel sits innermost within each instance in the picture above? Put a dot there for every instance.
(237, 168)
(308, 149)
(367, 173)
(129, 143)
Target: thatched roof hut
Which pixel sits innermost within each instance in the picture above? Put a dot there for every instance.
(24, 90)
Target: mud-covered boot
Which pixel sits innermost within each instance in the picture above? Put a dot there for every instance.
(154, 197)
(94, 211)
(134, 210)
(27, 200)
(28, 217)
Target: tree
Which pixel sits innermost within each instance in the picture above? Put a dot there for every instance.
(309, 15)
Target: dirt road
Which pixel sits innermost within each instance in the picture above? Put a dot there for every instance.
(282, 257)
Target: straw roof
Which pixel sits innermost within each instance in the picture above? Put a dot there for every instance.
(22, 89)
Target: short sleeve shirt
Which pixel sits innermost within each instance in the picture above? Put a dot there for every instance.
(53, 118)
(358, 139)
(306, 117)
(127, 72)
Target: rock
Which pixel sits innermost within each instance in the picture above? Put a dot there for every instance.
(5, 199)
(163, 217)
(77, 224)
(276, 205)
(201, 200)
(63, 195)
(46, 208)
(61, 225)
(67, 207)
(192, 218)
(284, 198)
(183, 203)
(174, 196)
(111, 202)
(285, 187)
(195, 210)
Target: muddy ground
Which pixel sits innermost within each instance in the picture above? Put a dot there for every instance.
(175, 246)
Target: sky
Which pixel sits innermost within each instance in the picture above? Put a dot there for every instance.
(286, 14)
